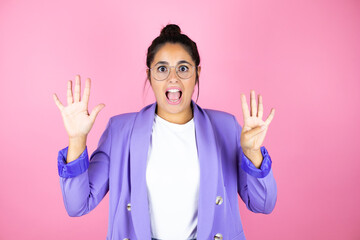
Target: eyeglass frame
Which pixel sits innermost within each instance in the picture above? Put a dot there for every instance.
(176, 72)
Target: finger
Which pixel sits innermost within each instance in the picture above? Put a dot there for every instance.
(253, 104)
(253, 132)
(87, 91)
(245, 108)
(260, 107)
(57, 102)
(77, 89)
(95, 111)
(270, 117)
(70, 99)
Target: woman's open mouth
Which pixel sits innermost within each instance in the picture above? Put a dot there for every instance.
(173, 95)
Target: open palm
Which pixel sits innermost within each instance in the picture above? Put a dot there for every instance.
(77, 120)
(254, 129)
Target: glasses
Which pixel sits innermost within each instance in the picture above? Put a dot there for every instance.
(161, 71)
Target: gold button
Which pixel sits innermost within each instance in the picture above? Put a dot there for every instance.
(128, 208)
(218, 236)
(219, 200)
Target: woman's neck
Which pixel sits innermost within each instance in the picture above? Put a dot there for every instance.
(178, 118)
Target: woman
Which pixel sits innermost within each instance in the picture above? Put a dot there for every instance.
(173, 170)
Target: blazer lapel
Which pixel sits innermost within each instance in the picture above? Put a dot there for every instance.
(139, 145)
(208, 159)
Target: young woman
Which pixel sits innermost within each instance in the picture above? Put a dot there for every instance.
(173, 170)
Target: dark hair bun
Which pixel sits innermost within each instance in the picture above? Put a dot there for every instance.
(170, 30)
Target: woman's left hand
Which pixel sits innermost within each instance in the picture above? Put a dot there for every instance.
(254, 129)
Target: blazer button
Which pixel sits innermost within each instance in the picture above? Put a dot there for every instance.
(218, 236)
(219, 200)
(128, 208)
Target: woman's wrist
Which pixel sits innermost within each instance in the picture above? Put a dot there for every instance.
(76, 147)
(255, 156)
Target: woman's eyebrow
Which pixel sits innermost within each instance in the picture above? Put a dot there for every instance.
(161, 62)
(183, 61)
(165, 62)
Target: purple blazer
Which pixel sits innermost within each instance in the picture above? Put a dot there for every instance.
(118, 165)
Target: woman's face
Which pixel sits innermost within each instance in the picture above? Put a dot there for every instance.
(173, 95)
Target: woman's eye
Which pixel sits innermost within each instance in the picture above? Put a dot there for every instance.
(183, 68)
(162, 69)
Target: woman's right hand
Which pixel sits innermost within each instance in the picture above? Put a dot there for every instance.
(77, 120)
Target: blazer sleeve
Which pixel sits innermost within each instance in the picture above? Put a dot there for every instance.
(84, 183)
(256, 187)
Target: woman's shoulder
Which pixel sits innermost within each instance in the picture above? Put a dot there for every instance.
(122, 120)
(223, 122)
(219, 115)
(123, 116)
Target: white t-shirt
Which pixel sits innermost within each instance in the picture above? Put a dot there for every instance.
(173, 178)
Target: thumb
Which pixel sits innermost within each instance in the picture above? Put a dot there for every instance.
(251, 133)
(96, 111)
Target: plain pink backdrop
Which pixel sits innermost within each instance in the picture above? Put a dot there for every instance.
(302, 56)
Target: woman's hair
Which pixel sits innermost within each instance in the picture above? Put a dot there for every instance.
(172, 33)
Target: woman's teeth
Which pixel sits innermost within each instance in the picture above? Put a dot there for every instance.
(173, 90)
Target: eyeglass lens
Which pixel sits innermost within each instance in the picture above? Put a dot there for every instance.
(162, 71)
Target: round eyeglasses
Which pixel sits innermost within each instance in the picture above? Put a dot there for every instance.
(161, 71)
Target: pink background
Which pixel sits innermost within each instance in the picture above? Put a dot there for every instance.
(302, 56)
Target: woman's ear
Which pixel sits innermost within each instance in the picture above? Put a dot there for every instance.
(199, 70)
(148, 75)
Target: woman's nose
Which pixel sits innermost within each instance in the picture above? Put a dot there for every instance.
(172, 75)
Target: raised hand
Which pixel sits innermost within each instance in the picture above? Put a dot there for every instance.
(254, 129)
(77, 120)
